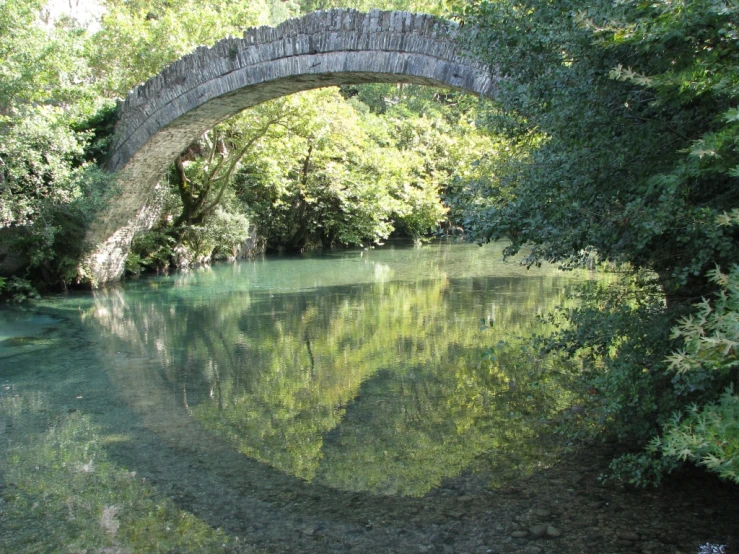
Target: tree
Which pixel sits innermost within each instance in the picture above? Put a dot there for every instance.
(49, 185)
(139, 38)
(623, 121)
(334, 174)
(213, 161)
(56, 115)
(609, 170)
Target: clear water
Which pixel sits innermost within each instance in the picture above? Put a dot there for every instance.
(326, 402)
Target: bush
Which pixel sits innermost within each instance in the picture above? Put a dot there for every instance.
(706, 430)
(151, 251)
(709, 434)
(53, 240)
(620, 332)
(19, 290)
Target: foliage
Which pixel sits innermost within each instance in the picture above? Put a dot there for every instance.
(610, 167)
(53, 240)
(42, 98)
(57, 122)
(52, 128)
(139, 38)
(621, 119)
(38, 150)
(220, 237)
(628, 384)
(327, 172)
(640, 469)
(711, 333)
(595, 148)
(708, 434)
(151, 251)
(619, 331)
(304, 171)
(207, 169)
(40, 66)
(19, 290)
(702, 39)
(231, 229)
(49, 192)
(703, 426)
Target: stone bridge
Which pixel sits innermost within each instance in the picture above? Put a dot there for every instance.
(161, 117)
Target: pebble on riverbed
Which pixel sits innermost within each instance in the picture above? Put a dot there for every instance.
(628, 536)
(538, 531)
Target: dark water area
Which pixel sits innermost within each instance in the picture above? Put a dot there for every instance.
(353, 401)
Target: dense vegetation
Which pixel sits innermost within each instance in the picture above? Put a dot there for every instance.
(334, 167)
(626, 118)
(613, 141)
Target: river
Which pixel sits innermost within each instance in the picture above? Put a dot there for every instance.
(377, 400)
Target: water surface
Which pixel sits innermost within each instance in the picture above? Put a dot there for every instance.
(348, 401)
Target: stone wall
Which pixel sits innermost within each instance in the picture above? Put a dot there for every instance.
(164, 115)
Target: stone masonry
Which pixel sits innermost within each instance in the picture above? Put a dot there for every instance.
(161, 117)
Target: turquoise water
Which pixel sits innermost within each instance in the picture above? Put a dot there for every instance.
(286, 404)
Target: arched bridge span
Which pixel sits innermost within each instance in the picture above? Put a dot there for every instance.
(163, 116)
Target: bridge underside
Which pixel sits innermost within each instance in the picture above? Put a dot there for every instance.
(162, 117)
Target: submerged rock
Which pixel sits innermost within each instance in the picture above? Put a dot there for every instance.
(628, 536)
(538, 531)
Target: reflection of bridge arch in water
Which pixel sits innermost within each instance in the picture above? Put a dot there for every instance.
(221, 405)
(374, 388)
(337, 47)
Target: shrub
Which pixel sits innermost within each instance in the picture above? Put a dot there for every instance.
(709, 434)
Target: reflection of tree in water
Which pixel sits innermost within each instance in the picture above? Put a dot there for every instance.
(385, 393)
(373, 387)
(407, 434)
(309, 360)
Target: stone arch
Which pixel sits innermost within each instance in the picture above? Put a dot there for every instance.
(161, 117)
